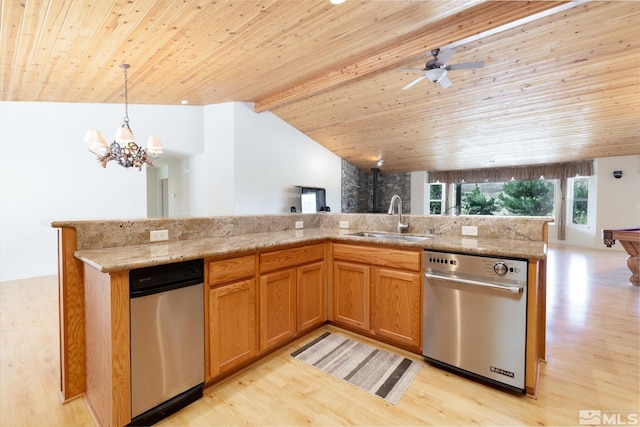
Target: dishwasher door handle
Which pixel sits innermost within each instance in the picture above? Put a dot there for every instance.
(512, 289)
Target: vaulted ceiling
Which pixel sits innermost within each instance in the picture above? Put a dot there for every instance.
(561, 80)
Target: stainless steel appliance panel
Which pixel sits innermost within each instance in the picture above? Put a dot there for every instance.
(475, 315)
(167, 345)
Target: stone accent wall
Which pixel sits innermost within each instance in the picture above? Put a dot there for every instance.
(357, 190)
(390, 184)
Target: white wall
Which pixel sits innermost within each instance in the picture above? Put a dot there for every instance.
(154, 176)
(212, 173)
(176, 171)
(618, 203)
(221, 160)
(418, 192)
(272, 157)
(613, 203)
(252, 163)
(47, 173)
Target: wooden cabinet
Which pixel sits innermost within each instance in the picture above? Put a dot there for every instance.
(291, 293)
(396, 313)
(351, 296)
(378, 290)
(310, 287)
(277, 308)
(231, 314)
(257, 302)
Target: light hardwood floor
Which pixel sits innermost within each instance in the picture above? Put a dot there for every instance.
(593, 364)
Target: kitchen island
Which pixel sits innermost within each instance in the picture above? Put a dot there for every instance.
(95, 258)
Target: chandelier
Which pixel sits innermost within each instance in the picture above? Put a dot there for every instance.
(129, 154)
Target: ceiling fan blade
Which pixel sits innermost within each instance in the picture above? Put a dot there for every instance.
(411, 69)
(445, 82)
(445, 55)
(414, 82)
(466, 65)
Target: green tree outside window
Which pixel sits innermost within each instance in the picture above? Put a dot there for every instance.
(580, 199)
(527, 198)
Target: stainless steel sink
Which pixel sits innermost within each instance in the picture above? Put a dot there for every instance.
(391, 236)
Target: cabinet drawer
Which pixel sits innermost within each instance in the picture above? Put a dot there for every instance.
(231, 269)
(271, 261)
(377, 255)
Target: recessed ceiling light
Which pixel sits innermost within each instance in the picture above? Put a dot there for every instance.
(184, 102)
(337, 1)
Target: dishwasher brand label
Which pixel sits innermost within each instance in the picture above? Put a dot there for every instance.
(502, 372)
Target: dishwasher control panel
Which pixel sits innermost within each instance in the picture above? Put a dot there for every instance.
(183, 273)
(502, 270)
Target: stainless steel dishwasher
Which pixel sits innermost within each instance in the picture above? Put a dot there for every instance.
(475, 316)
(167, 339)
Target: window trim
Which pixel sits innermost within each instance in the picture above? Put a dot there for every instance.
(572, 200)
(442, 200)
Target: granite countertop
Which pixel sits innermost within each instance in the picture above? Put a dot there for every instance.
(121, 258)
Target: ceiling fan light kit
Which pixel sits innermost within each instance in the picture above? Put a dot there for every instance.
(436, 68)
(436, 74)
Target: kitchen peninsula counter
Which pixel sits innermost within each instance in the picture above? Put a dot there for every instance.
(95, 257)
(113, 259)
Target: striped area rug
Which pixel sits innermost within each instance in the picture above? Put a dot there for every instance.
(379, 372)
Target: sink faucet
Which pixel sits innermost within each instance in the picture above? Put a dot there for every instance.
(400, 225)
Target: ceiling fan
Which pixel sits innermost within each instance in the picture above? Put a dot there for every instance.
(436, 68)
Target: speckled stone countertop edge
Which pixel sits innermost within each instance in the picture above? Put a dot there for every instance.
(108, 260)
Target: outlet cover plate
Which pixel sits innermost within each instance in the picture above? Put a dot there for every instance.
(158, 235)
(299, 224)
(469, 230)
(344, 224)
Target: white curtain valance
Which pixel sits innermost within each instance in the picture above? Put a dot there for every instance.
(519, 173)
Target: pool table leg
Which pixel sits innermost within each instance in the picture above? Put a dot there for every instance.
(633, 262)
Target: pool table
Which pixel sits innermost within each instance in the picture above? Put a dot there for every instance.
(630, 240)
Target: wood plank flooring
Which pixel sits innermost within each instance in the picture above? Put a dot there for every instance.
(592, 364)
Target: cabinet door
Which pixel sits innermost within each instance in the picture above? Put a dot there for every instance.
(310, 290)
(232, 331)
(351, 301)
(277, 308)
(396, 299)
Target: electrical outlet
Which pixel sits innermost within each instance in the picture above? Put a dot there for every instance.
(469, 230)
(158, 235)
(344, 224)
(299, 224)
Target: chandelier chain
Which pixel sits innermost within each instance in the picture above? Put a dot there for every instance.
(126, 96)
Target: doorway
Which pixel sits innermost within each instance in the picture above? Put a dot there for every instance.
(164, 198)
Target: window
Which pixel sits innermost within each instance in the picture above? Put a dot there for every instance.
(580, 198)
(515, 198)
(436, 198)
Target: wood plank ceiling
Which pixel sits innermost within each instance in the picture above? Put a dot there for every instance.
(561, 80)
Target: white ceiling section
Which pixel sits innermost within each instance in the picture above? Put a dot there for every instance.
(561, 80)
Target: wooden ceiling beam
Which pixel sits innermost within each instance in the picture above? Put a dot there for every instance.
(476, 22)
